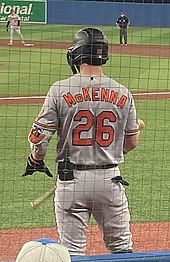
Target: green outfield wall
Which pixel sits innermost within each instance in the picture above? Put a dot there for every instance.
(29, 11)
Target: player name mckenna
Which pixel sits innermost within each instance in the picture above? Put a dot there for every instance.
(95, 94)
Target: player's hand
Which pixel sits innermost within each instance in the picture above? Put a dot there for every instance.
(141, 124)
(34, 166)
(7, 29)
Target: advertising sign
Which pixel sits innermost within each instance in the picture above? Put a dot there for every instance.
(29, 11)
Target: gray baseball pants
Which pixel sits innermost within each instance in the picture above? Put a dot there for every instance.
(15, 29)
(92, 193)
(123, 34)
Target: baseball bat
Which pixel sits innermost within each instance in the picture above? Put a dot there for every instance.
(38, 201)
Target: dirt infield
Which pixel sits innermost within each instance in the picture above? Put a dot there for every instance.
(141, 50)
(146, 236)
(38, 99)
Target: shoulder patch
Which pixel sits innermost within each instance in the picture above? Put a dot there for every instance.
(36, 135)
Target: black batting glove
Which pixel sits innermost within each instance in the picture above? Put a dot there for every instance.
(7, 29)
(34, 166)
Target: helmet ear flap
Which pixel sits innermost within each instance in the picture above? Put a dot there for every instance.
(70, 61)
(69, 57)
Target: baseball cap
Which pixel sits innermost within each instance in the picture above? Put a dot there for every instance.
(43, 250)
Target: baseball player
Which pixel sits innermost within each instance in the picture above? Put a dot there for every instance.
(14, 23)
(95, 120)
(123, 23)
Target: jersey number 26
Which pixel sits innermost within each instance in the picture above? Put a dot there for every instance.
(96, 122)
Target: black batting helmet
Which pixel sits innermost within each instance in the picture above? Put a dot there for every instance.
(90, 46)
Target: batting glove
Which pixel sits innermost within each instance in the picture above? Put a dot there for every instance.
(7, 29)
(36, 165)
(119, 179)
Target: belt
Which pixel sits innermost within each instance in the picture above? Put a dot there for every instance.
(88, 167)
(66, 169)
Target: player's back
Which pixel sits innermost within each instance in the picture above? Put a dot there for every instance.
(93, 113)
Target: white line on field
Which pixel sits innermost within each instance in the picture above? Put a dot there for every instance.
(42, 97)
(151, 93)
(21, 97)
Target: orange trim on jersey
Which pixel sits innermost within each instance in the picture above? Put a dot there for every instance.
(45, 126)
(131, 132)
(32, 159)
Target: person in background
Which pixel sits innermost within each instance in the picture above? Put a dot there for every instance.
(123, 23)
(43, 249)
(13, 22)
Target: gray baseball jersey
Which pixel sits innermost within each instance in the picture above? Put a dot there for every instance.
(13, 19)
(91, 116)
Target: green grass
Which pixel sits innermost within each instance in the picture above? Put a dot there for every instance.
(140, 73)
(147, 168)
(16, 192)
(136, 35)
(31, 71)
(26, 71)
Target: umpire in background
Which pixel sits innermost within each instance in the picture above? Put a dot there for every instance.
(123, 23)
